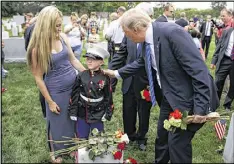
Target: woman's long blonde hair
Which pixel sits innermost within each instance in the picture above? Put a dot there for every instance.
(42, 37)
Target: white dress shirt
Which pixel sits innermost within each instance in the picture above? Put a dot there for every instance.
(208, 29)
(148, 39)
(230, 45)
(115, 31)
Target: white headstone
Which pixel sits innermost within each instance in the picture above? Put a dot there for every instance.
(13, 24)
(8, 26)
(19, 19)
(14, 31)
(4, 22)
(5, 35)
(66, 20)
(20, 28)
(83, 157)
(228, 153)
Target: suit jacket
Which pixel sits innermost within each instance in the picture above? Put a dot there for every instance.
(28, 34)
(182, 22)
(221, 48)
(203, 29)
(162, 18)
(184, 77)
(125, 55)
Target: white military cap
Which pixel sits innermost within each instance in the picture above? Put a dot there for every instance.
(146, 7)
(96, 52)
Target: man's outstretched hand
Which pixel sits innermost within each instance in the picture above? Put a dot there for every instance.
(110, 73)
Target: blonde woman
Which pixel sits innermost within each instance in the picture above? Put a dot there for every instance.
(74, 32)
(50, 53)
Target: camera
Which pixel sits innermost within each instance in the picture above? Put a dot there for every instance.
(218, 26)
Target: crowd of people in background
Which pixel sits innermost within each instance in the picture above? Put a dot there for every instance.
(66, 49)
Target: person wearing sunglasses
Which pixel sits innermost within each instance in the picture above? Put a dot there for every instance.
(168, 12)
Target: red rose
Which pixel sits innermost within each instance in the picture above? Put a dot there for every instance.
(146, 94)
(4, 89)
(176, 114)
(118, 155)
(130, 160)
(133, 161)
(121, 146)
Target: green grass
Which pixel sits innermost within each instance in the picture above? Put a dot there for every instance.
(24, 129)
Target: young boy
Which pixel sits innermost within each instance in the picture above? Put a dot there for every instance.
(91, 98)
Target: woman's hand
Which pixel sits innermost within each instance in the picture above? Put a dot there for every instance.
(54, 107)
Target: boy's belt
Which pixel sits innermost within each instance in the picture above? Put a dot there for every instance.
(91, 100)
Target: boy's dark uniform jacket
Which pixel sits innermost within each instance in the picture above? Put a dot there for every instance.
(94, 87)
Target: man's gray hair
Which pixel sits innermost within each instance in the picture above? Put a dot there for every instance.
(135, 19)
(146, 7)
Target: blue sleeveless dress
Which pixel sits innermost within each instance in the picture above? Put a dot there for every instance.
(59, 81)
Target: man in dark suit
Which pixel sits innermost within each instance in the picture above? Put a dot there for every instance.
(223, 61)
(207, 32)
(168, 12)
(133, 101)
(132, 87)
(182, 21)
(171, 59)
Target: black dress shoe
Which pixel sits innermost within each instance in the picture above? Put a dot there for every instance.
(142, 144)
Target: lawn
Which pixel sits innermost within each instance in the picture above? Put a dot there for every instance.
(24, 129)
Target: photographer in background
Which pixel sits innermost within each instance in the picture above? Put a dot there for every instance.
(226, 17)
(74, 32)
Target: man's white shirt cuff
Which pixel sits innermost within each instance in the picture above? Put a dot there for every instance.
(117, 74)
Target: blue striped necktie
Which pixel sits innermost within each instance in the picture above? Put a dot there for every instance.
(150, 77)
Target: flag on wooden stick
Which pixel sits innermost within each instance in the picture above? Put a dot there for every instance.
(220, 128)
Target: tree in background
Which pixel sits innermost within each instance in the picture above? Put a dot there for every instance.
(218, 6)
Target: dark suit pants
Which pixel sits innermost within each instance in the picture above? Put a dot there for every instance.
(222, 73)
(130, 113)
(143, 108)
(174, 147)
(131, 105)
(206, 43)
(230, 95)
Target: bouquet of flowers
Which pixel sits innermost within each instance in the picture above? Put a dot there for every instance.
(97, 144)
(176, 120)
(180, 120)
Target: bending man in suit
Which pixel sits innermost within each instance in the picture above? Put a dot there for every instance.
(133, 102)
(171, 59)
(132, 86)
(223, 60)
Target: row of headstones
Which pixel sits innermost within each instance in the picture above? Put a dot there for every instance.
(15, 25)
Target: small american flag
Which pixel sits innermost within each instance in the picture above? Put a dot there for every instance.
(220, 128)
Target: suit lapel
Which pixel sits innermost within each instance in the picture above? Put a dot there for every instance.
(156, 44)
